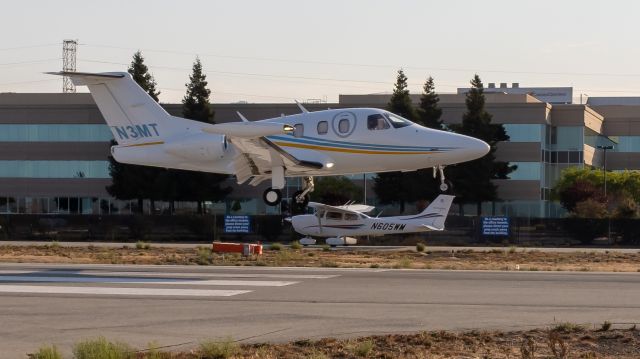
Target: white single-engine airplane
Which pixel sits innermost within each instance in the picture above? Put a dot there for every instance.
(321, 143)
(338, 224)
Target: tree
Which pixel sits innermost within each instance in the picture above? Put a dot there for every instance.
(390, 186)
(135, 181)
(335, 190)
(199, 186)
(195, 104)
(428, 114)
(472, 180)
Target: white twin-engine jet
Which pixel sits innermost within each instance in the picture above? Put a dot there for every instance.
(321, 143)
(338, 224)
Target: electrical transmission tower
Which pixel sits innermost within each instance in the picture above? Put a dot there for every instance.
(69, 48)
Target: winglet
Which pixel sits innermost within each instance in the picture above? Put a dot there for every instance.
(244, 119)
(304, 110)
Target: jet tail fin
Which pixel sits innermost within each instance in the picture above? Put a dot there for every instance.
(436, 213)
(132, 115)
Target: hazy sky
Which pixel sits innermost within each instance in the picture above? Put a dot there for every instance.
(280, 50)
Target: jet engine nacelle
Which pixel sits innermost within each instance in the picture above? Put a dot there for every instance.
(200, 147)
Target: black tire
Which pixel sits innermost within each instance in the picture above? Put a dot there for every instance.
(268, 196)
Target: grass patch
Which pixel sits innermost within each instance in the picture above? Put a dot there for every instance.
(46, 352)
(54, 244)
(224, 349)
(403, 263)
(363, 348)
(296, 245)
(204, 255)
(326, 248)
(420, 247)
(605, 326)
(374, 265)
(512, 249)
(568, 327)
(329, 264)
(143, 245)
(101, 348)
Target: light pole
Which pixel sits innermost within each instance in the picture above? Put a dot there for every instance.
(604, 167)
(604, 170)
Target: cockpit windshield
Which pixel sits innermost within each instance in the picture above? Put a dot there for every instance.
(397, 121)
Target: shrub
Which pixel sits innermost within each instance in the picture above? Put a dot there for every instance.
(204, 255)
(142, 245)
(101, 348)
(275, 246)
(364, 348)
(567, 327)
(296, 245)
(420, 247)
(403, 263)
(605, 326)
(326, 248)
(224, 349)
(47, 352)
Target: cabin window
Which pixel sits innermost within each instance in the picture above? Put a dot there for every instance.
(334, 215)
(299, 130)
(350, 217)
(323, 127)
(377, 122)
(343, 126)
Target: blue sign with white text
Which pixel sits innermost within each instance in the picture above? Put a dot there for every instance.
(237, 224)
(495, 226)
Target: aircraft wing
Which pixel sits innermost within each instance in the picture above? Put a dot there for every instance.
(353, 208)
(257, 155)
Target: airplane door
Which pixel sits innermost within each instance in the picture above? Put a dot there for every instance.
(344, 123)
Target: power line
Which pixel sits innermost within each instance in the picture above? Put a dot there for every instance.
(379, 65)
(8, 64)
(28, 47)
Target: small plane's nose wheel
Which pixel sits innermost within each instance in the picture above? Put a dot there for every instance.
(443, 183)
(272, 196)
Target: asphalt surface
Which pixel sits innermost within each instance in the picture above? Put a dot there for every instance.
(180, 305)
(380, 248)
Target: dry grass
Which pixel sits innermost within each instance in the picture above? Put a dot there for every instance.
(508, 259)
(540, 343)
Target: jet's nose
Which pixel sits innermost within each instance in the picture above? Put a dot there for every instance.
(477, 148)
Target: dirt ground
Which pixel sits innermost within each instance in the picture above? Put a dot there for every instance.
(508, 259)
(563, 341)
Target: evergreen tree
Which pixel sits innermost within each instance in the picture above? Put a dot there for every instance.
(196, 102)
(198, 186)
(429, 113)
(393, 187)
(140, 73)
(472, 180)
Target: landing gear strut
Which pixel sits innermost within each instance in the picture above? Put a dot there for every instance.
(439, 169)
(300, 198)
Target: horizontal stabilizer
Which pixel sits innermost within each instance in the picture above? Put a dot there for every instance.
(432, 228)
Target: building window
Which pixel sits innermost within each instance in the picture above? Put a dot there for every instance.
(54, 169)
(525, 171)
(55, 133)
(323, 127)
(524, 132)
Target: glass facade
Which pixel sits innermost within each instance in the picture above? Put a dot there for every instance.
(54, 133)
(524, 132)
(54, 169)
(526, 171)
(627, 144)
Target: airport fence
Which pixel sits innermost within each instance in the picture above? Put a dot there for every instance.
(460, 230)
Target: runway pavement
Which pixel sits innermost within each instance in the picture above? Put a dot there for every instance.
(62, 304)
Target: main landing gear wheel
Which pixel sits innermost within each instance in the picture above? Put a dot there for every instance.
(444, 187)
(272, 196)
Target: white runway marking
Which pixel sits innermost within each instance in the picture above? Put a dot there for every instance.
(120, 291)
(123, 280)
(179, 274)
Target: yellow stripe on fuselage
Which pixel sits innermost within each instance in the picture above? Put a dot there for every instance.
(145, 144)
(350, 150)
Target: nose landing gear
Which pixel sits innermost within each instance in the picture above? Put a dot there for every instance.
(439, 169)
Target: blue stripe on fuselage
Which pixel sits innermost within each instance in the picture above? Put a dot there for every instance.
(354, 145)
